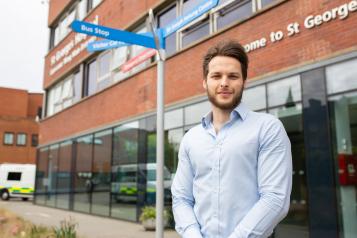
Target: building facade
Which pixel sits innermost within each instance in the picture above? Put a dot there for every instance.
(19, 127)
(98, 135)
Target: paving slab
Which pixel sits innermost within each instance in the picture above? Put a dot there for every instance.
(89, 226)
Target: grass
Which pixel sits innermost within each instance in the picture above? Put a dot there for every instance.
(13, 226)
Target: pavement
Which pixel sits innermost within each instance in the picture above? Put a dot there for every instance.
(89, 226)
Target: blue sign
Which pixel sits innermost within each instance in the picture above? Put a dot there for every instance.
(201, 8)
(113, 34)
(109, 44)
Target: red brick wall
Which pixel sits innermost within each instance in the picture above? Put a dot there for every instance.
(13, 102)
(17, 115)
(183, 72)
(56, 8)
(34, 102)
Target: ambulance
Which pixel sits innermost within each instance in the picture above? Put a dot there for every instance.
(17, 180)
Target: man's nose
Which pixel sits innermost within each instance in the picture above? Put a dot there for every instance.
(224, 81)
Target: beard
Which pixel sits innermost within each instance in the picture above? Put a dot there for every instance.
(225, 105)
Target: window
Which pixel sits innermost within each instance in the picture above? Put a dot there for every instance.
(14, 176)
(34, 140)
(266, 2)
(137, 49)
(342, 76)
(232, 11)
(77, 11)
(64, 93)
(284, 92)
(255, 98)
(92, 77)
(92, 4)
(165, 18)
(103, 77)
(8, 138)
(195, 32)
(21, 139)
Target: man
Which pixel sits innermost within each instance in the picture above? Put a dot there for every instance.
(234, 172)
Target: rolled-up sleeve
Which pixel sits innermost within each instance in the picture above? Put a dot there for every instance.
(182, 197)
(274, 174)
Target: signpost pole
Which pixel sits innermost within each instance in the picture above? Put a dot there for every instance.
(160, 149)
(160, 45)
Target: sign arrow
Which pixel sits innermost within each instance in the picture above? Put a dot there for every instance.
(199, 10)
(113, 34)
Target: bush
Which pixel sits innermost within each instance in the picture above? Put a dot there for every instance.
(67, 229)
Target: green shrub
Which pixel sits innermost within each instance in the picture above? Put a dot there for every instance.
(67, 229)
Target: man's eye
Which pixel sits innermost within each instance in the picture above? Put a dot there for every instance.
(215, 76)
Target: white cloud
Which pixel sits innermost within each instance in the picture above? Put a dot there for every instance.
(23, 43)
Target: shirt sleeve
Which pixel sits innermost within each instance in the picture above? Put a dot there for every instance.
(274, 173)
(182, 197)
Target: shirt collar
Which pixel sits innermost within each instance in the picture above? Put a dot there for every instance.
(240, 111)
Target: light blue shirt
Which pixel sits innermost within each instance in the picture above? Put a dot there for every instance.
(234, 184)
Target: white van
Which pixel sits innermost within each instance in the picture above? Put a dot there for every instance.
(17, 180)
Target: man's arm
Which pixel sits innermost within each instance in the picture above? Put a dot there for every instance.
(274, 173)
(182, 198)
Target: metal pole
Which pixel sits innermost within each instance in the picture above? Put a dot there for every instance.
(160, 148)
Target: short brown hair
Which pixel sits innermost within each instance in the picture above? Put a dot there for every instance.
(229, 48)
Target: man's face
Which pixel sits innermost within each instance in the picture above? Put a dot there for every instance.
(224, 83)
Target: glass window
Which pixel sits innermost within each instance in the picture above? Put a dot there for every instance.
(174, 119)
(92, 77)
(266, 2)
(101, 172)
(188, 5)
(77, 86)
(41, 176)
(255, 98)
(104, 66)
(83, 185)
(52, 175)
(163, 20)
(57, 98)
(136, 50)
(343, 120)
(126, 143)
(237, 10)
(64, 175)
(124, 188)
(296, 222)
(21, 139)
(14, 176)
(34, 140)
(67, 92)
(119, 56)
(57, 35)
(195, 112)
(195, 32)
(8, 138)
(50, 101)
(341, 77)
(284, 92)
(81, 9)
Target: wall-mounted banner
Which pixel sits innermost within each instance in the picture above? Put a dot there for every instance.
(199, 10)
(113, 34)
(140, 58)
(110, 44)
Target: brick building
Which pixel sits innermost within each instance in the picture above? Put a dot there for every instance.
(99, 122)
(18, 126)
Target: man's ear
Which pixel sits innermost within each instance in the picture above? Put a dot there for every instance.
(204, 83)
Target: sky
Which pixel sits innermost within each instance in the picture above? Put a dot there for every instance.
(23, 43)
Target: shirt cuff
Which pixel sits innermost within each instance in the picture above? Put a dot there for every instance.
(192, 231)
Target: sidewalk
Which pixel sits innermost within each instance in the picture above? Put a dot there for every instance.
(88, 226)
